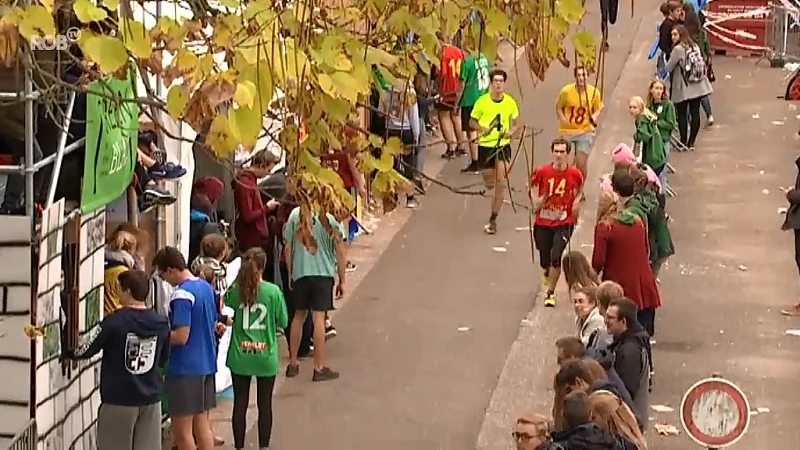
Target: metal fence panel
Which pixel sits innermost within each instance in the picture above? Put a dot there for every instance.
(783, 34)
(25, 439)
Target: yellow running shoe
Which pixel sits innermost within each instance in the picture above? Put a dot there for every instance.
(550, 300)
(545, 280)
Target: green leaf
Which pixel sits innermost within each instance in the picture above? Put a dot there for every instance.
(245, 94)
(177, 99)
(88, 12)
(399, 21)
(496, 22)
(246, 124)
(585, 45)
(109, 53)
(336, 109)
(329, 176)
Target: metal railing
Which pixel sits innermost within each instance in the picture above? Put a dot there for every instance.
(25, 439)
(782, 36)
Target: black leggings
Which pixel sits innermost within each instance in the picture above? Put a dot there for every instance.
(688, 120)
(797, 248)
(241, 400)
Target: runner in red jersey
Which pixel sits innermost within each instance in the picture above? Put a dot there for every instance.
(450, 87)
(556, 191)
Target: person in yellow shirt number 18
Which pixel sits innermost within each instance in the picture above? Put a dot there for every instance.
(578, 107)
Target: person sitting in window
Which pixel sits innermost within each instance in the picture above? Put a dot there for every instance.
(149, 193)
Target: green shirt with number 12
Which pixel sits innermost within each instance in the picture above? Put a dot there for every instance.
(254, 345)
(475, 75)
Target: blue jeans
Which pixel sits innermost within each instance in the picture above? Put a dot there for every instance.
(581, 142)
(705, 102)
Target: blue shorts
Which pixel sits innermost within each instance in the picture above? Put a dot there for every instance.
(581, 142)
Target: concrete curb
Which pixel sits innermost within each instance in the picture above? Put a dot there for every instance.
(523, 382)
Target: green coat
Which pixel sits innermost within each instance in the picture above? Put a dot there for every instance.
(648, 135)
(649, 207)
(667, 118)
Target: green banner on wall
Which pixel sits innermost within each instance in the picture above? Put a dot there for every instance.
(111, 139)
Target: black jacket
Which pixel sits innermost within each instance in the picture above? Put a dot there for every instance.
(665, 36)
(588, 436)
(792, 220)
(135, 343)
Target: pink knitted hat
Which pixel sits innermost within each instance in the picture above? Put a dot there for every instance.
(623, 153)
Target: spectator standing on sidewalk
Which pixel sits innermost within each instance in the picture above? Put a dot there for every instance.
(578, 108)
(688, 83)
(449, 88)
(647, 135)
(580, 432)
(120, 256)
(588, 319)
(666, 118)
(578, 272)
(399, 105)
(191, 389)
(532, 432)
(694, 25)
(556, 190)
(475, 76)
(611, 414)
(313, 263)
(134, 340)
(792, 222)
(632, 355)
(203, 219)
(251, 220)
(253, 352)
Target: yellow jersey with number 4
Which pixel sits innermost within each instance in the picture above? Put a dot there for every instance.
(578, 108)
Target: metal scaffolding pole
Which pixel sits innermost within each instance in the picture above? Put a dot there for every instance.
(30, 171)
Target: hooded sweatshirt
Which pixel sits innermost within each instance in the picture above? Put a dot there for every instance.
(251, 222)
(648, 135)
(632, 358)
(134, 343)
(200, 222)
(667, 118)
(115, 264)
(649, 207)
(623, 153)
(588, 436)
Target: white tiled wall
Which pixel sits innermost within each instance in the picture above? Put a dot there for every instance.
(67, 402)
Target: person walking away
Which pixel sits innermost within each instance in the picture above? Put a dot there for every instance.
(556, 190)
(192, 365)
(666, 118)
(251, 219)
(494, 118)
(611, 414)
(578, 272)
(449, 88)
(688, 84)
(119, 258)
(475, 76)
(632, 355)
(313, 263)
(620, 254)
(578, 108)
(581, 433)
(608, 15)
(259, 312)
(792, 222)
(134, 340)
(647, 135)
(588, 320)
(399, 104)
(203, 219)
(694, 26)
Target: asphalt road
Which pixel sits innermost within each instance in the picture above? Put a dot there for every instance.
(410, 379)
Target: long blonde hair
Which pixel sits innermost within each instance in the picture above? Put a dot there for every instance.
(639, 101)
(611, 413)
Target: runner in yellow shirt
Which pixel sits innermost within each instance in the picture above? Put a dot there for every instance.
(578, 107)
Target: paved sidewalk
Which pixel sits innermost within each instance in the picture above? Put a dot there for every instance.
(734, 269)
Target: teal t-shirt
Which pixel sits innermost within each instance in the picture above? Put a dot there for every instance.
(253, 350)
(475, 75)
(322, 262)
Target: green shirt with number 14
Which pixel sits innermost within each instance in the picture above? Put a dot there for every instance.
(254, 345)
(475, 75)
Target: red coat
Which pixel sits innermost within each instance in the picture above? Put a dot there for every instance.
(621, 255)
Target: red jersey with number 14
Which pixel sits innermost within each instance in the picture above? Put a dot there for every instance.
(561, 188)
(450, 73)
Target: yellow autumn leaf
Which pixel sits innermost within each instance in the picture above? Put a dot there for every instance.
(220, 138)
(330, 177)
(245, 94)
(326, 84)
(177, 99)
(344, 85)
(232, 4)
(343, 63)
(571, 10)
(186, 60)
(108, 52)
(88, 12)
(36, 21)
(48, 4)
(136, 39)
(111, 4)
(246, 125)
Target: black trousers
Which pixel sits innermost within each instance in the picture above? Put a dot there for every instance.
(308, 325)
(688, 120)
(241, 401)
(797, 248)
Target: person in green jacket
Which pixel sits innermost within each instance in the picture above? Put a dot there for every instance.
(259, 310)
(648, 135)
(666, 118)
